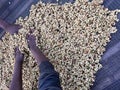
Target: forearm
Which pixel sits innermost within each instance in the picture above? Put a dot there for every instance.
(39, 56)
(3, 24)
(16, 83)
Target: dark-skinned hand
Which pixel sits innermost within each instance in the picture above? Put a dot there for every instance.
(31, 40)
(12, 28)
(19, 57)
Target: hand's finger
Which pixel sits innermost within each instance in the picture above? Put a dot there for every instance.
(16, 50)
(16, 32)
(27, 37)
(31, 31)
(22, 55)
(30, 37)
(19, 27)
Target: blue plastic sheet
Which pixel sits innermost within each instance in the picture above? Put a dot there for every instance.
(109, 76)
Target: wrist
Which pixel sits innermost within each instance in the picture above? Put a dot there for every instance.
(18, 62)
(6, 25)
(18, 65)
(3, 24)
(33, 48)
(39, 56)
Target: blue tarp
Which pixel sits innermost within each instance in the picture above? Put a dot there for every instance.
(109, 75)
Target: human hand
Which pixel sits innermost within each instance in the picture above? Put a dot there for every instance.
(12, 28)
(38, 55)
(31, 40)
(19, 57)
